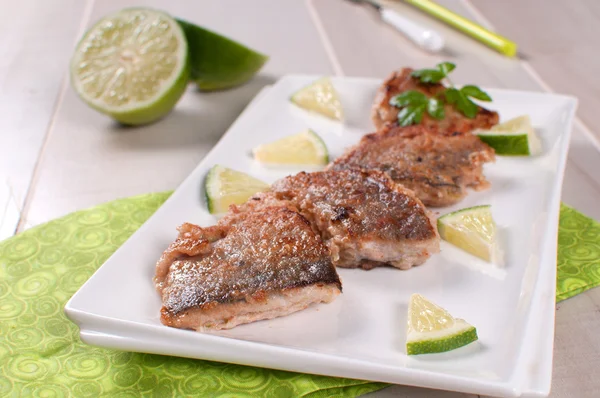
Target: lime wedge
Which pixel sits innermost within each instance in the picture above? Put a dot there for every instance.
(320, 97)
(224, 187)
(217, 62)
(514, 137)
(472, 229)
(132, 65)
(432, 329)
(305, 148)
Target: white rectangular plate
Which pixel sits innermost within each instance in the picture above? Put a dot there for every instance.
(362, 333)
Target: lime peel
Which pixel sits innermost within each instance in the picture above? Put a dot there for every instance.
(305, 148)
(461, 337)
(431, 329)
(515, 137)
(224, 187)
(217, 62)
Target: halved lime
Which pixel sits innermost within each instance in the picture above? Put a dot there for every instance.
(224, 187)
(472, 229)
(432, 329)
(218, 62)
(320, 97)
(514, 137)
(132, 65)
(305, 148)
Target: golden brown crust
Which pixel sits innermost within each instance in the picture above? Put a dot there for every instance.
(438, 168)
(245, 258)
(399, 81)
(192, 241)
(363, 216)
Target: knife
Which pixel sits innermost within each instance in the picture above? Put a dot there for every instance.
(424, 37)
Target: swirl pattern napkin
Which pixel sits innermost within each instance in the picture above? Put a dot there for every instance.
(578, 253)
(40, 350)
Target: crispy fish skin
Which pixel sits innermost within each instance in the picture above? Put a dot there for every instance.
(438, 168)
(383, 113)
(252, 266)
(363, 216)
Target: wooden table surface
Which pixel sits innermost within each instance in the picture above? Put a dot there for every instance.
(57, 155)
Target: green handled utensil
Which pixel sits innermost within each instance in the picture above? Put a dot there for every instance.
(477, 32)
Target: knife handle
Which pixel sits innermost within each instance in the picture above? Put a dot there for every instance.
(422, 36)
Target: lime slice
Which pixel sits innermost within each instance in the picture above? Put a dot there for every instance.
(224, 187)
(320, 97)
(472, 229)
(514, 137)
(217, 62)
(132, 65)
(432, 329)
(305, 148)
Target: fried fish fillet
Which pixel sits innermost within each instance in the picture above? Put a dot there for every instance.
(251, 266)
(438, 168)
(363, 216)
(454, 121)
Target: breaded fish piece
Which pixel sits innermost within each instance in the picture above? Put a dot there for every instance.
(363, 216)
(251, 266)
(438, 168)
(454, 121)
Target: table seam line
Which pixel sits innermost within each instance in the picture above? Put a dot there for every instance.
(585, 175)
(30, 192)
(325, 41)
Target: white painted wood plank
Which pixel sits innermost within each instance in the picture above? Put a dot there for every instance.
(560, 41)
(366, 46)
(581, 186)
(10, 211)
(89, 159)
(577, 347)
(35, 40)
(414, 392)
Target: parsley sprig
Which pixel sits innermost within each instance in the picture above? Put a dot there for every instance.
(413, 104)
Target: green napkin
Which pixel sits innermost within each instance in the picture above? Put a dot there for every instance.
(578, 253)
(40, 350)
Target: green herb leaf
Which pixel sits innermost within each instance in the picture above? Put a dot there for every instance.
(435, 108)
(411, 115)
(429, 75)
(411, 97)
(446, 67)
(452, 95)
(434, 75)
(466, 106)
(475, 92)
(414, 103)
(461, 102)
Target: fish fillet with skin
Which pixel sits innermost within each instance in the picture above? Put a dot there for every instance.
(249, 267)
(363, 216)
(438, 168)
(400, 81)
